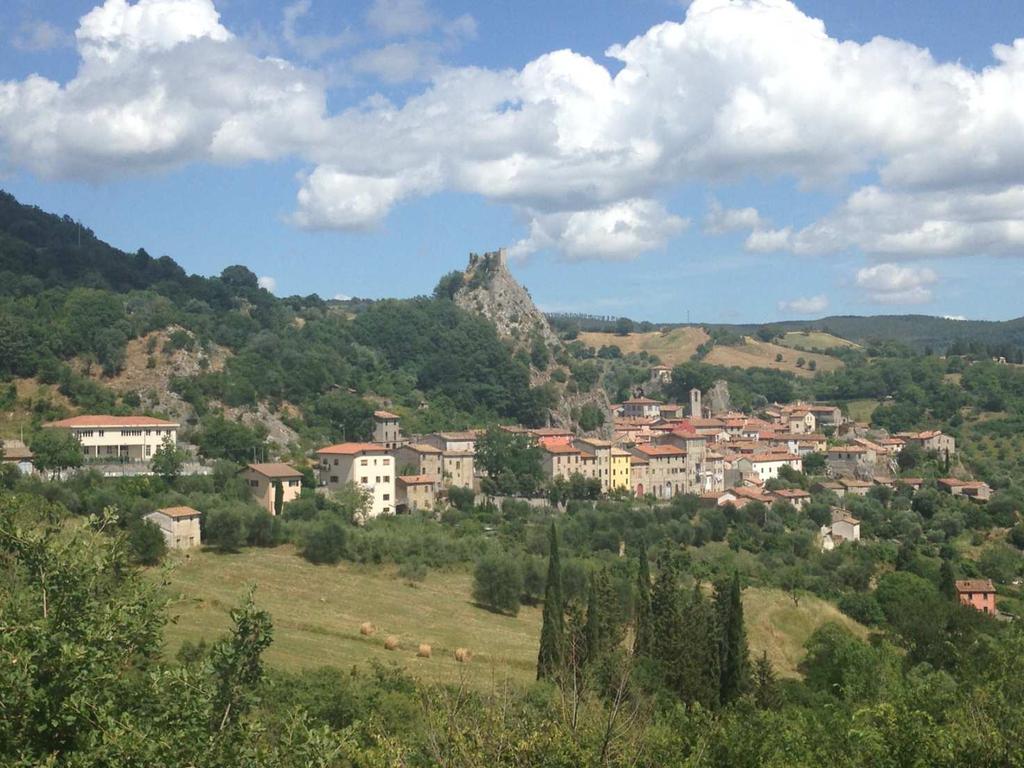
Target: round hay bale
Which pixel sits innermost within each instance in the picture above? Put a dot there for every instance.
(463, 655)
(367, 628)
(391, 642)
(424, 651)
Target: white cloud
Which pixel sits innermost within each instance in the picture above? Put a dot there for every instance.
(954, 317)
(894, 284)
(616, 232)
(309, 46)
(397, 18)
(267, 282)
(37, 36)
(720, 220)
(808, 305)
(740, 88)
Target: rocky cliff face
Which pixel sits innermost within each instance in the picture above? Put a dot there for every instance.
(490, 290)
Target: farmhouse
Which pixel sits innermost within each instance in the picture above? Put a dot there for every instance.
(422, 460)
(844, 528)
(415, 493)
(18, 454)
(798, 497)
(932, 440)
(979, 594)
(118, 438)
(179, 525)
(972, 489)
(369, 465)
(263, 480)
(766, 466)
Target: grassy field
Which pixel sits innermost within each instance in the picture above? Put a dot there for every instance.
(815, 340)
(12, 422)
(754, 353)
(317, 611)
(672, 348)
(861, 410)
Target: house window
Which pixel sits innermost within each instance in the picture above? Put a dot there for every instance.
(364, 480)
(387, 478)
(334, 478)
(362, 462)
(386, 497)
(378, 479)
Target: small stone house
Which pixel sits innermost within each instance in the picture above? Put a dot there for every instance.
(415, 493)
(180, 526)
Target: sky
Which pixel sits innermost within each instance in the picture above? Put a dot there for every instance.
(713, 161)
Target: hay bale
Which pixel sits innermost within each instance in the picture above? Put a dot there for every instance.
(463, 655)
(367, 628)
(424, 651)
(391, 642)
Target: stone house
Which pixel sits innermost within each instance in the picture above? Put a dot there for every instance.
(180, 526)
(422, 460)
(387, 429)
(262, 480)
(415, 493)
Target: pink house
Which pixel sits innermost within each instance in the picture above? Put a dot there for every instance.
(979, 594)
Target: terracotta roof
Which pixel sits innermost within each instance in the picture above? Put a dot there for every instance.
(15, 450)
(110, 421)
(422, 448)
(352, 449)
(416, 479)
(842, 516)
(974, 585)
(951, 482)
(459, 454)
(597, 443)
(763, 457)
(792, 493)
(620, 452)
(848, 449)
(177, 513)
(911, 480)
(562, 448)
(550, 431)
(641, 401)
(274, 471)
(639, 460)
(457, 436)
(387, 415)
(657, 451)
(852, 482)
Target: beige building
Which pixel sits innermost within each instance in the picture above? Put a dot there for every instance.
(423, 460)
(179, 525)
(666, 470)
(386, 429)
(262, 480)
(118, 438)
(641, 408)
(560, 460)
(368, 465)
(600, 465)
(457, 469)
(766, 466)
(16, 453)
(932, 440)
(416, 493)
(452, 442)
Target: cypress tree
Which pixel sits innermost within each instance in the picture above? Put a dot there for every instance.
(551, 656)
(947, 579)
(699, 662)
(643, 639)
(766, 692)
(593, 641)
(734, 657)
(278, 497)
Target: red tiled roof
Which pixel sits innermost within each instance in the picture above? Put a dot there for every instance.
(658, 451)
(641, 401)
(416, 479)
(386, 415)
(352, 449)
(562, 448)
(273, 470)
(974, 585)
(792, 493)
(110, 421)
(422, 448)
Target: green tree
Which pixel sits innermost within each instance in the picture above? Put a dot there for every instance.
(552, 634)
(278, 497)
(147, 542)
(56, 450)
(512, 462)
(765, 683)
(323, 541)
(734, 659)
(225, 529)
(168, 460)
(623, 326)
(643, 638)
(498, 582)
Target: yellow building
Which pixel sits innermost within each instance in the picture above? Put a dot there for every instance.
(619, 477)
(118, 438)
(262, 480)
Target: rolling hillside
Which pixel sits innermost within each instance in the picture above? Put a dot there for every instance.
(754, 353)
(672, 347)
(317, 611)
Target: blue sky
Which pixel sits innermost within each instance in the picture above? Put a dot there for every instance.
(743, 161)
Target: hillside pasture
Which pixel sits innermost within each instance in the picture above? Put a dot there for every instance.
(754, 353)
(815, 340)
(317, 613)
(672, 347)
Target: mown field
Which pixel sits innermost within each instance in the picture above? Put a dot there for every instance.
(814, 340)
(754, 353)
(317, 611)
(672, 348)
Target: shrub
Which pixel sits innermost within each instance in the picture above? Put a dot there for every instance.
(147, 542)
(862, 607)
(323, 541)
(498, 583)
(225, 529)
(413, 570)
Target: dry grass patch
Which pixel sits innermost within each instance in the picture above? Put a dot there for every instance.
(754, 353)
(815, 340)
(672, 347)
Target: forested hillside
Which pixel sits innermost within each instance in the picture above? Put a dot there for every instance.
(70, 303)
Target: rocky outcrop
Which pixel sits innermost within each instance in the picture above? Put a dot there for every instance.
(718, 398)
(490, 290)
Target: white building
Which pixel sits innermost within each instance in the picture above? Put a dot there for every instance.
(766, 466)
(118, 438)
(369, 465)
